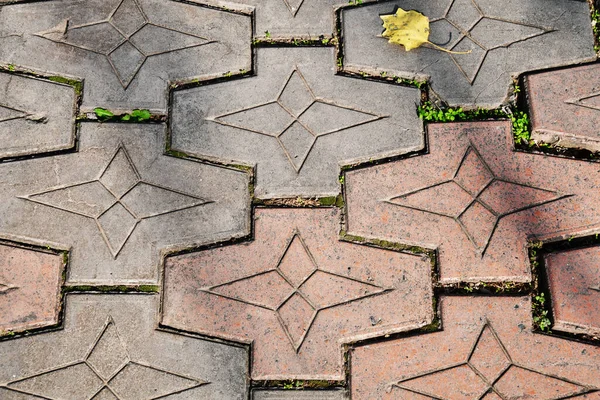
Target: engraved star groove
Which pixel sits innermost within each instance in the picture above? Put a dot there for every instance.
(8, 113)
(6, 287)
(292, 116)
(118, 200)
(490, 373)
(125, 39)
(287, 296)
(107, 371)
(476, 199)
(591, 101)
(293, 6)
(473, 34)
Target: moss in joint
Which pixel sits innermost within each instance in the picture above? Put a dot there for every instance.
(77, 85)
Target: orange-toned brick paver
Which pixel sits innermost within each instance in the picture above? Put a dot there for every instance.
(297, 293)
(487, 350)
(476, 200)
(565, 106)
(30, 288)
(574, 283)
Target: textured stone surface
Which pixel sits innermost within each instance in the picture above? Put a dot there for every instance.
(118, 201)
(291, 18)
(487, 346)
(30, 283)
(297, 293)
(126, 50)
(574, 281)
(565, 106)
(475, 199)
(505, 38)
(109, 349)
(36, 116)
(297, 121)
(259, 394)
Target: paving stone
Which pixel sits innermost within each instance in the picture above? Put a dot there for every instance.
(292, 18)
(30, 288)
(505, 38)
(36, 116)
(574, 281)
(118, 201)
(127, 50)
(486, 350)
(296, 293)
(565, 107)
(109, 349)
(297, 121)
(476, 200)
(260, 394)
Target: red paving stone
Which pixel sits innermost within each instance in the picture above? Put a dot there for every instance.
(487, 350)
(297, 293)
(574, 281)
(476, 200)
(30, 283)
(565, 106)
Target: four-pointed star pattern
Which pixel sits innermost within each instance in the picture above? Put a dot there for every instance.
(6, 287)
(118, 200)
(8, 113)
(107, 371)
(292, 118)
(476, 199)
(469, 28)
(295, 308)
(589, 101)
(490, 373)
(127, 38)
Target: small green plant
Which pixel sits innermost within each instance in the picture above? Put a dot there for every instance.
(137, 116)
(540, 314)
(103, 114)
(11, 67)
(340, 62)
(267, 34)
(428, 112)
(355, 2)
(520, 123)
(596, 27)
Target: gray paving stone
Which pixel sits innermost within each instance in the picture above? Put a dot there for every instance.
(291, 18)
(265, 394)
(36, 116)
(126, 50)
(506, 38)
(118, 201)
(109, 349)
(297, 121)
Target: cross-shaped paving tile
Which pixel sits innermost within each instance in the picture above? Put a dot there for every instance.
(565, 106)
(574, 283)
(36, 116)
(297, 132)
(118, 201)
(297, 121)
(109, 350)
(501, 40)
(127, 50)
(30, 287)
(486, 351)
(297, 293)
(475, 199)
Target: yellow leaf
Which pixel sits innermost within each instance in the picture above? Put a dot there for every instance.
(409, 29)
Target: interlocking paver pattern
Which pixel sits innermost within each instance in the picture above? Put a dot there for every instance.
(30, 288)
(283, 226)
(127, 50)
(36, 116)
(118, 201)
(296, 293)
(297, 121)
(574, 282)
(475, 199)
(109, 349)
(504, 39)
(565, 106)
(486, 350)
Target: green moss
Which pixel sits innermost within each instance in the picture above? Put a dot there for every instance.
(77, 85)
(337, 201)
